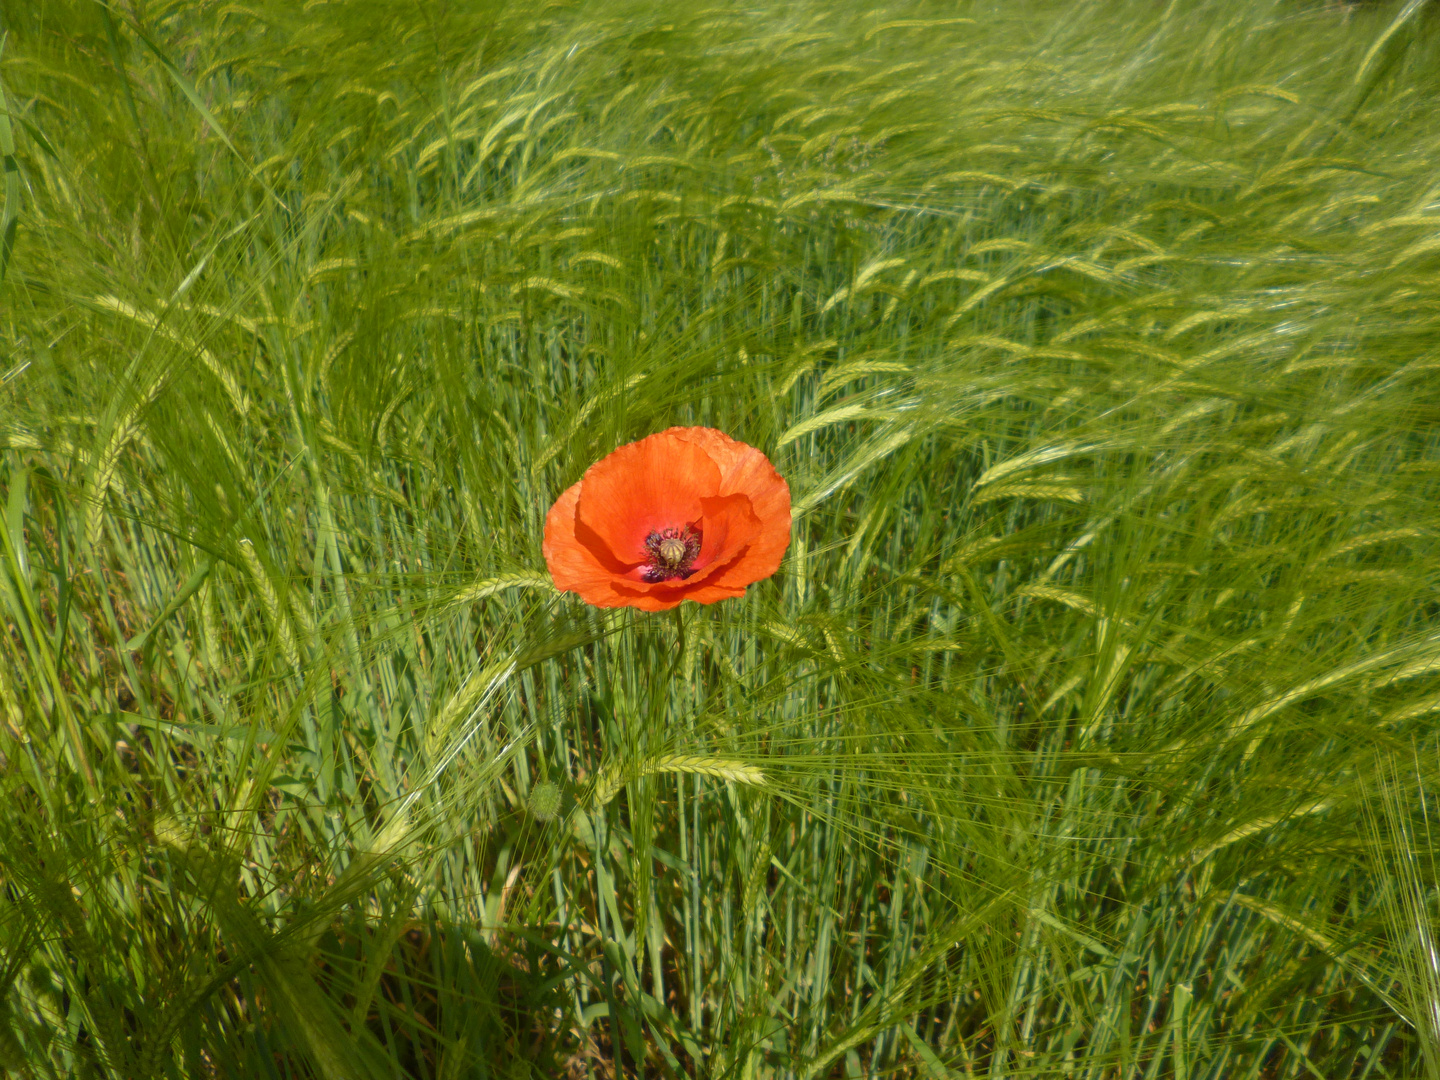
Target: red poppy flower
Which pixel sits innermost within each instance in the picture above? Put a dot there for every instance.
(687, 514)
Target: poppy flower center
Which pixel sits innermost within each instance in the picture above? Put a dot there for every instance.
(672, 553)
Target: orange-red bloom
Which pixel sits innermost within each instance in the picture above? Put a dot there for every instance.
(688, 514)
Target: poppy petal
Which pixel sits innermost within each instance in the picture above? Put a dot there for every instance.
(665, 599)
(647, 486)
(573, 565)
(729, 526)
(745, 469)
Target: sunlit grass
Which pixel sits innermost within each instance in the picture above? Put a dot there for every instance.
(1086, 729)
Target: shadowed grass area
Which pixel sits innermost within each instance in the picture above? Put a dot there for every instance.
(1088, 728)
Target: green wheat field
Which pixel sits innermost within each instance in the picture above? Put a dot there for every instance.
(1091, 725)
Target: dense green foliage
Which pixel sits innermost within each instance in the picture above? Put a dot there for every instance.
(1087, 726)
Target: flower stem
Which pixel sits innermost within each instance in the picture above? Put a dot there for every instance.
(659, 689)
(680, 634)
(600, 825)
